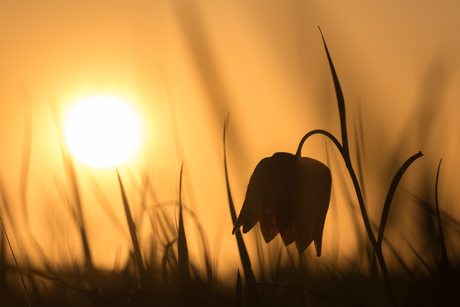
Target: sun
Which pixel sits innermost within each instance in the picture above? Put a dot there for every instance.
(102, 132)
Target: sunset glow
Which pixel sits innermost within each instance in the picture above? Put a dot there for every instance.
(102, 132)
(229, 153)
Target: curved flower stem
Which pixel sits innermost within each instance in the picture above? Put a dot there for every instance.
(352, 173)
(345, 152)
(319, 131)
(346, 158)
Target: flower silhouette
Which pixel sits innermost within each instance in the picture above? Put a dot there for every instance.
(289, 195)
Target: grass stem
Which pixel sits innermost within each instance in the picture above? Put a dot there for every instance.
(132, 231)
(16, 262)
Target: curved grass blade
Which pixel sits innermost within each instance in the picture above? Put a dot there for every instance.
(132, 232)
(15, 261)
(249, 274)
(253, 291)
(239, 291)
(444, 259)
(164, 261)
(340, 100)
(77, 208)
(390, 194)
(184, 269)
(229, 194)
(26, 150)
(106, 206)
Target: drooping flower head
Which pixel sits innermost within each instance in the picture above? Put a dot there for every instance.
(289, 195)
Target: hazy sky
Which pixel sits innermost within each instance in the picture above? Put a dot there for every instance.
(261, 61)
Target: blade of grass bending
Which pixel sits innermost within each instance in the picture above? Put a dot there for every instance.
(340, 100)
(71, 176)
(207, 260)
(176, 136)
(106, 206)
(453, 223)
(391, 192)
(345, 151)
(359, 147)
(164, 261)
(23, 179)
(420, 258)
(184, 269)
(253, 291)
(230, 200)
(132, 232)
(16, 262)
(26, 149)
(239, 291)
(444, 259)
(412, 276)
(248, 273)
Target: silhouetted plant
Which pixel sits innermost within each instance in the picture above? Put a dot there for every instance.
(290, 195)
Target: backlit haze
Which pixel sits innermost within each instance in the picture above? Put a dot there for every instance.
(182, 66)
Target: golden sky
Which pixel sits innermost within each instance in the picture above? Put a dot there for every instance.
(183, 65)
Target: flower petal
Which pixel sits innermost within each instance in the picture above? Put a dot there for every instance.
(251, 210)
(314, 197)
(268, 223)
(279, 200)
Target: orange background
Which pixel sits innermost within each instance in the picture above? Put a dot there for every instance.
(183, 65)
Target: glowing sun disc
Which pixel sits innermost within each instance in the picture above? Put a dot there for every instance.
(102, 132)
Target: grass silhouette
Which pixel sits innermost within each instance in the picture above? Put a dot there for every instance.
(166, 276)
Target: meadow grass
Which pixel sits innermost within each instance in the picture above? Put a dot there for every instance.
(165, 276)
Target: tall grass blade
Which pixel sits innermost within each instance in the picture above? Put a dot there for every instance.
(14, 257)
(132, 231)
(23, 181)
(345, 151)
(444, 259)
(70, 170)
(229, 194)
(450, 221)
(340, 100)
(359, 148)
(410, 273)
(253, 291)
(390, 194)
(184, 264)
(176, 135)
(106, 206)
(206, 253)
(3, 265)
(420, 258)
(239, 291)
(26, 149)
(164, 261)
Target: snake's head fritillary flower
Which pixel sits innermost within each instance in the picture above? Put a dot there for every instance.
(289, 195)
